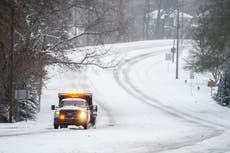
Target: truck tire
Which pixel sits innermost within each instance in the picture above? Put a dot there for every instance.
(56, 126)
(93, 121)
(85, 126)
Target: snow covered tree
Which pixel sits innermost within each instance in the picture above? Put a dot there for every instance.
(27, 109)
(212, 38)
(8, 19)
(223, 93)
(212, 46)
(41, 37)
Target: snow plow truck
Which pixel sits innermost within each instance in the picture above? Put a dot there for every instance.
(74, 108)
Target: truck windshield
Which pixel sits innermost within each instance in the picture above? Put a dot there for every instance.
(77, 103)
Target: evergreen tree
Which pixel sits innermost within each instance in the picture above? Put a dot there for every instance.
(212, 38)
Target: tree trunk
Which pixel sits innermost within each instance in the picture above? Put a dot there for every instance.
(158, 22)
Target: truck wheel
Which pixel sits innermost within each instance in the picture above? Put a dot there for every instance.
(56, 126)
(85, 126)
(93, 121)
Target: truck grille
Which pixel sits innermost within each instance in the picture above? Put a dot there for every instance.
(69, 114)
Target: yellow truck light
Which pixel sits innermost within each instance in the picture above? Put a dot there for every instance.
(83, 115)
(57, 113)
(75, 94)
(62, 117)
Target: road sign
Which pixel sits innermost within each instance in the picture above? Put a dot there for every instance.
(192, 75)
(211, 83)
(168, 57)
(173, 50)
(20, 94)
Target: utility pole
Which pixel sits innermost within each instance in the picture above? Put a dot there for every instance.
(173, 54)
(11, 71)
(88, 23)
(74, 20)
(177, 35)
(75, 25)
(182, 24)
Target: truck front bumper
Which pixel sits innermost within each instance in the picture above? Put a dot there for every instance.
(70, 121)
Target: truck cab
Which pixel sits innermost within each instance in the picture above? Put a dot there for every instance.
(74, 109)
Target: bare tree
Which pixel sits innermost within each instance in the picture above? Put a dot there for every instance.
(146, 22)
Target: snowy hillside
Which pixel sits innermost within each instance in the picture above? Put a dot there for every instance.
(142, 109)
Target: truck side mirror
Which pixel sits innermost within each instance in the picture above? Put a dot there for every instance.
(95, 108)
(53, 107)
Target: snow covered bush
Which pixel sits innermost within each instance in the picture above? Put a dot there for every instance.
(27, 109)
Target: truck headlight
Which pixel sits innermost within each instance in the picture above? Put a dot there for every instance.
(57, 113)
(83, 115)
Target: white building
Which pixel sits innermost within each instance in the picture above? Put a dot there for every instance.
(168, 23)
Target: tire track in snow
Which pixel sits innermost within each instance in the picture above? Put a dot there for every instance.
(40, 131)
(102, 105)
(150, 100)
(123, 79)
(181, 113)
(111, 120)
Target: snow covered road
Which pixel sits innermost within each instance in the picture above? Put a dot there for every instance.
(142, 89)
(142, 109)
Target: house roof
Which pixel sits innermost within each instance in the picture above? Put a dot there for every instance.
(172, 14)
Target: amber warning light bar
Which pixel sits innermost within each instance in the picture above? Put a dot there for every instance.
(73, 95)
